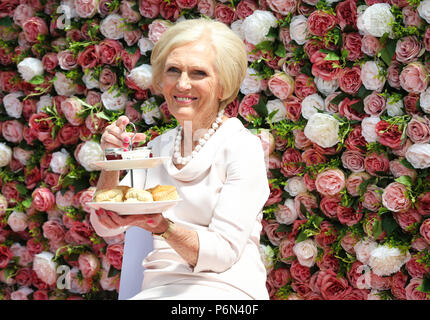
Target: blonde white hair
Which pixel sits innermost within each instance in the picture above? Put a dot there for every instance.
(230, 53)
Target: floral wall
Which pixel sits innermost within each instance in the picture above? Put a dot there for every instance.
(337, 91)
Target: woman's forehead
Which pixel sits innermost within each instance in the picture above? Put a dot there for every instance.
(198, 53)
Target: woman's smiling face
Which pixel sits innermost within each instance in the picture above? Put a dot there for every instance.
(190, 83)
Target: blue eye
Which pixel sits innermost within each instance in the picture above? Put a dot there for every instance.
(173, 69)
(200, 73)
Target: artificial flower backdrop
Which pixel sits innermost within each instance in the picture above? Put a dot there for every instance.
(337, 91)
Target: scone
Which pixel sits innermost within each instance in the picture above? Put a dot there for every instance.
(163, 193)
(109, 195)
(138, 195)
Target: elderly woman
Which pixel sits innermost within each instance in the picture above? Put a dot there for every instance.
(206, 247)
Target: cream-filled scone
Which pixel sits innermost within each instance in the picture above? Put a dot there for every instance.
(109, 195)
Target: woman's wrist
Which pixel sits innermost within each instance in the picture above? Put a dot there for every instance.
(167, 230)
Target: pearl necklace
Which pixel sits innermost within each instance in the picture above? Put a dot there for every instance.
(177, 149)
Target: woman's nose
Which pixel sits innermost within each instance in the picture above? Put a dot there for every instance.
(183, 82)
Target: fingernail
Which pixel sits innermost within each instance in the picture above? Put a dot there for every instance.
(125, 145)
(127, 139)
(150, 221)
(124, 149)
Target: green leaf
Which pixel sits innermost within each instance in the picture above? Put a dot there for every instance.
(336, 100)
(6, 21)
(113, 272)
(103, 115)
(37, 80)
(301, 236)
(27, 203)
(331, 56)
(377, 228)
(21, 189)
(388, 52)
(406, 163)
(406, 180)
(389, 225)
(358, 106)
(284, 228)
(260, 107)
(425, 285)
(280, 50)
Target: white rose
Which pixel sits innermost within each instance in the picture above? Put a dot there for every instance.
(90, 81)
(299, 29)
(286, 214)
(311, 104)
(425, 100)
(278, 105)
(360, 25)
(326, 87)
(306, 252)
(371, 76)
(424, 10)
(385, 261)
(295, 185)
(236, 26)
(58, 161)
(89, 153)
(267, 256)
(21, 294)
(3, 205)
(322, 129)
(363, 248)
(12, 104)
(17, 221)
(44, 101)
(257, 25)
(113, 26)
(141, 76)
(45, 267)
(112, 100)
(145, 45)
(378, 19)
(251, 83)
(22, 155)
(368, 125)
(150, 109)
(418, 155)
(394, 108)
(5, 154)
(29, 68)
(64, 86)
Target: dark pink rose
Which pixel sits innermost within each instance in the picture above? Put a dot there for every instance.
(423, 203)
(53, 230)
(128, 13)
(331, 286)
(131, 37)
(169, 10)
(352, 42)
(308, 200)
(353, 160)
(346, 13)
(89, 57)
(79, 233)
(370, 45)
(149, 9)
(246, 109)
(114, 255)
(293, 106)
(43, 199)
(425, 230)
(349, 216)
(376, 164)
(299, 273)
(279, 277)
(393, 72)
(327, 234)
(50, 61)
(350, 79)
(224, 13)
(412, 292)
(110, 51)
(292, 162)
(320, 22)
(329, 204)
(323, 68)
(374, 104)
(245, 8)
(415, 268)
(372, 198)
(12, 131)
(418, 129)
(398, 283)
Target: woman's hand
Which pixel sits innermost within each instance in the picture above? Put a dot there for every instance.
(151, 222)
(115, 136)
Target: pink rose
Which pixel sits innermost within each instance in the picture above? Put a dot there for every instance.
(43, 199)
(412, 292)
(372, 198)
(156, 29)
(346, 13)
(279, 277)
(107, 79)
(350, 80)
(224, 13)
(292, 162)
(411, 17)
(331, 286)
(86, 8)
(320, 22)
(304, 86)
(352, 42)
(22, 13)
(370, 45)
(71, 107)
(323, 68)
(114, 254)
(286, 214)
(410, 102)
(286, 251)
(12, 131)
(34, 27)
(281, 85)
(407, 49)
(110, 51)
(53, 230)
(128, 13)
(418, 129)
(269, 229)
(374, 104)
(329, 204)
(353, 160)
(67, 60)
(308, 200)
(416, 269)
(89, 57)
(206, 7)
(376, 164)
(293, 106)
(69, 134)
(246, 109)
(414, 77)
(393, 74)
(89, 264)
(327, 234)
(330, 182)
(426, 39)
(311, 157)
(86, 196)
(169, 10)
(149, 9)
(407, 219)
(299, 272)
(79, 233)
(397, 169)
(245, 8)
(349, 216)
(423, 203)
(282, 7)
(425, 230)
(395, 198)
(398, 283)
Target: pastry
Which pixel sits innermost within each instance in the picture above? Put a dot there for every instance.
(138, 195)
(109, 195)
(163, 193)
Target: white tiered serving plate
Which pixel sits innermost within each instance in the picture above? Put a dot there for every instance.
(128, 208)
(113, 165)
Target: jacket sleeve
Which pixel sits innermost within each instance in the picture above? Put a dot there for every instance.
(236, 213)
